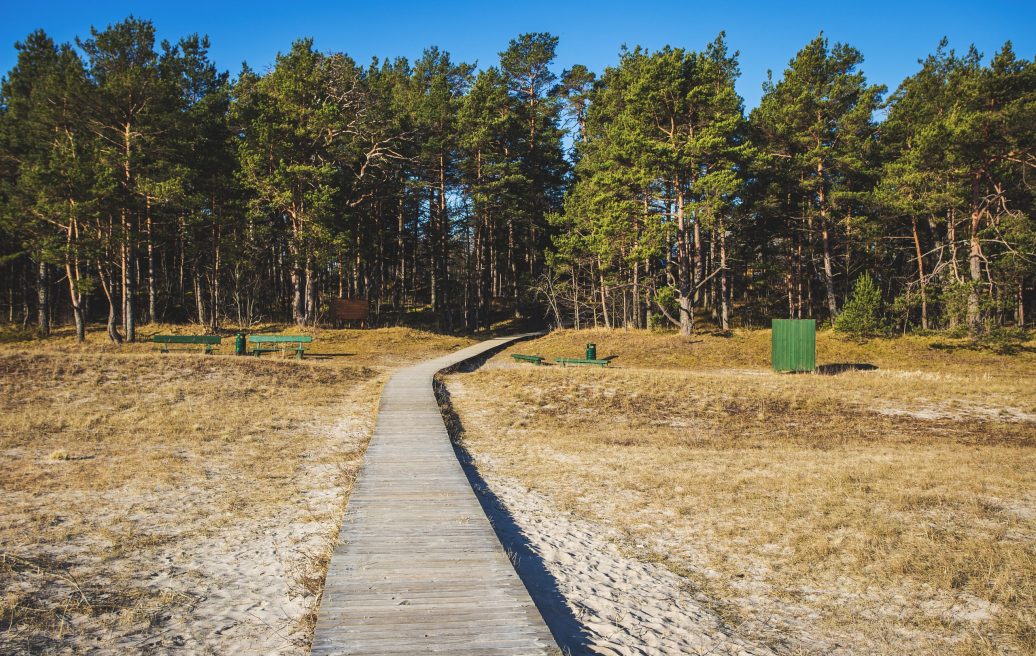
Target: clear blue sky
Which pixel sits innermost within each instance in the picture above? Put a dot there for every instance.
(891, 35)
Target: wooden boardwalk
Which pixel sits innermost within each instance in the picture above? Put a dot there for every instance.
(418, 569)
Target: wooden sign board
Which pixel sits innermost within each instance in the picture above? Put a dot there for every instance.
(349, 309)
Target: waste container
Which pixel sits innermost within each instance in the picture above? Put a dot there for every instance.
(239, 344)
(591, 351)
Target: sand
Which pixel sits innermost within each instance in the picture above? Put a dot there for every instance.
(596, 599)
(197, 579)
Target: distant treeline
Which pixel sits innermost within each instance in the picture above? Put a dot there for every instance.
(140, 183)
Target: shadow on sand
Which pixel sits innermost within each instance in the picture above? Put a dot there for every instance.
(842, 367)
(541, 584)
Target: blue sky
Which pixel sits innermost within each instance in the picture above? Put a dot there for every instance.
(891, 35)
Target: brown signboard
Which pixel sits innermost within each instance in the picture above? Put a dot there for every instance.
(349, 309)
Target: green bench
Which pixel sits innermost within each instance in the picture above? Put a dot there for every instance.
(535, 359)
(279, 343)
(207, 341)
(581, 362)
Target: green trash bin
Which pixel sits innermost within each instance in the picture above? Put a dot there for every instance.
(591, 351)
(239, 344)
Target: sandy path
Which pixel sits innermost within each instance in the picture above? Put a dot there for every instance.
(595, 599)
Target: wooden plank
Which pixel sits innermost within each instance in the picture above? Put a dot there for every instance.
(418, 568)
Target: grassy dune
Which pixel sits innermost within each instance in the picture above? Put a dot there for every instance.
(885, 511)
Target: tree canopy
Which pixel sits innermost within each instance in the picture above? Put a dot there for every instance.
(139, 183)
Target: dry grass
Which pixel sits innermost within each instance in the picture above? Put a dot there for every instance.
(888, 511)
(750, 349)
(156, 501)
(380, 348)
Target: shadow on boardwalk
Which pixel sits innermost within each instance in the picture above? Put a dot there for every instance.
(541, 584)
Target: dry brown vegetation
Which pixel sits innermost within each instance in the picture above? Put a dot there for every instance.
(381, 348)
(886, 511)
(155, 502)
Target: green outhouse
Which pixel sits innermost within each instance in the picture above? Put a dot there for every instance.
(793, 344)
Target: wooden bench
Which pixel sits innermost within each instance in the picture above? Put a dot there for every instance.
(207, 341)
(535, 359)
(279, 343)
(580, 362)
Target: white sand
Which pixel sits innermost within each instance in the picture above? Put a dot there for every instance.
(214, 582)
(608, 603)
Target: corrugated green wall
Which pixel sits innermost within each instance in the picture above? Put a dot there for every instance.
(793, 344)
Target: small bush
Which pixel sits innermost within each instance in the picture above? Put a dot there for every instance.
(666, 298)
(1004, 341)
(862, 315)
(658, 322)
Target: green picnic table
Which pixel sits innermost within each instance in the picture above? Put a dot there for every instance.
(534, 359)
(581, 362)
(279, 343)
(208, 342)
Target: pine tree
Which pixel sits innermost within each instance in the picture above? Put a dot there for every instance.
(861, 316)
(50, 154)
(129, 110)
(285, 163)
(818, 122)
(525, 66)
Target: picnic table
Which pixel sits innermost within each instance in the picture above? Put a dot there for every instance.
(207, 342)
(279, 344)
(534, 359)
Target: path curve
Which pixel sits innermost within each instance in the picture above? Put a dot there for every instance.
(418, 568)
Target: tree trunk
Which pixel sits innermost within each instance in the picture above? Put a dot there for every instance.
(698, 257)
(152, 292)
(512, 264)
(951, 236)
(683, 266)
(433, 252)
(399, 295)
(443, 234)
(1020, 314)
(724, 285)
(312, 308)
(113, 330)
(73, 277)
(974, 317)
(575, 297)
(829, 278)
(604, 297)
(920, 275)
(636, 295)
(214, 286)
(825, 240)
(713, 285)
(43, 299)
(199, 299)
(128, 309)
